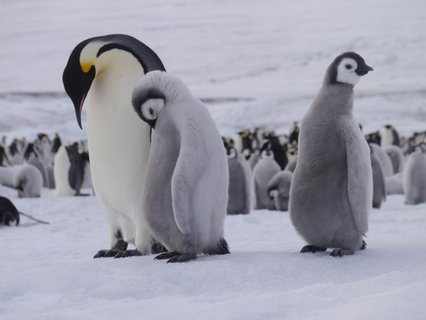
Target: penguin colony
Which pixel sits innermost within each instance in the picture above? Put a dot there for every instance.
(177, 179)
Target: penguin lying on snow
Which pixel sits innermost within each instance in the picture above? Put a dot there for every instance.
(25, 178)
(100, 76)
(186, 184)
(331, 190)
(9, 215)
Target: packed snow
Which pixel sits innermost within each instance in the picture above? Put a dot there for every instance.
(254, 63)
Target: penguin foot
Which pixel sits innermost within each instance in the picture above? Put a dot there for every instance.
(157, 247)
(339, 252)
(166, 255)
(107, 253)
(120, 246)
(221, 248)
(312, 249)
(182, 258)
(363, 245)
(128, 253)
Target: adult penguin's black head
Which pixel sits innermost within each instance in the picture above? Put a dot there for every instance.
(83, 67)
(347, 68)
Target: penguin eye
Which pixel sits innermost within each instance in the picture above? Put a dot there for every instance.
(348, 66)
(151, 108)
(151, 111)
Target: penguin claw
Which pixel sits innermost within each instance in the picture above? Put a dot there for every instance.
(157, 247)
(166, 255)
(182, 258)
(127, 253)
(312, 249)
(339, 252)
(364, 245)
(106, 253)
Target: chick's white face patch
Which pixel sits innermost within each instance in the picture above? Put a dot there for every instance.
(152, 108)
(346, 71)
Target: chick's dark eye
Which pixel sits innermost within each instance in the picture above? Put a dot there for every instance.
(151, 111)
(348, 66)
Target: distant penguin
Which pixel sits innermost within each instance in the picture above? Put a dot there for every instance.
(244, 141)
(414, 178)
(16, 152)
(9, 215)
(394, 184)
(240, 183)
(384, 159)
(390, 137)
(273, 143)
(50, 177)
(43, 147)
(32, 158)
(332, 186)
(186, 183)
(57, 142)
(253, 159)
(374, 137)
(263, 172)
(69, 171)
(379, 186)
(99, 77)
(3, 157)
(279, 189)
(24, 178)
(396, 155)
(294, 134)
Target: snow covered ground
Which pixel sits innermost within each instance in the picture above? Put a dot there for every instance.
(257, 63)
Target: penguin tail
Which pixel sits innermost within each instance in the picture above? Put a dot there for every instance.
(221, 248)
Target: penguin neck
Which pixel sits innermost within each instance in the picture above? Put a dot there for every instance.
(336, 99)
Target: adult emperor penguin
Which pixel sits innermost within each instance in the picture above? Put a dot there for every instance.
(186, 183)
(332, 186)
(100, 75)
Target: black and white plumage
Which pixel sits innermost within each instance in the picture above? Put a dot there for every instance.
(332, 186)
(100, 76)
(69, 170)
(9, 215)
(414, 178)
(186, 184)
(390, 137)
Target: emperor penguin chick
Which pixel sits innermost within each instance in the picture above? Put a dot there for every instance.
(332, 186)
(414, 178)
(279, 189)
(186, 183)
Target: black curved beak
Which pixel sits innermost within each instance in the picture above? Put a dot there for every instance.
(76, 82)
(363, 69)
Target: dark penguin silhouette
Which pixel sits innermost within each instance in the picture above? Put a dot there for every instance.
(273, 144)
(56, 143)
(76, 171)
(3, 157)
(9, 215)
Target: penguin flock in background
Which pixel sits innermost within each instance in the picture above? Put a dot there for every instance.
(166, 179)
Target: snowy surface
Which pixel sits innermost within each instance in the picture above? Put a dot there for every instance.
(258, 63)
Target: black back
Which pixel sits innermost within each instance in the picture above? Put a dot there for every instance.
(56, 144)
(76, 171)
